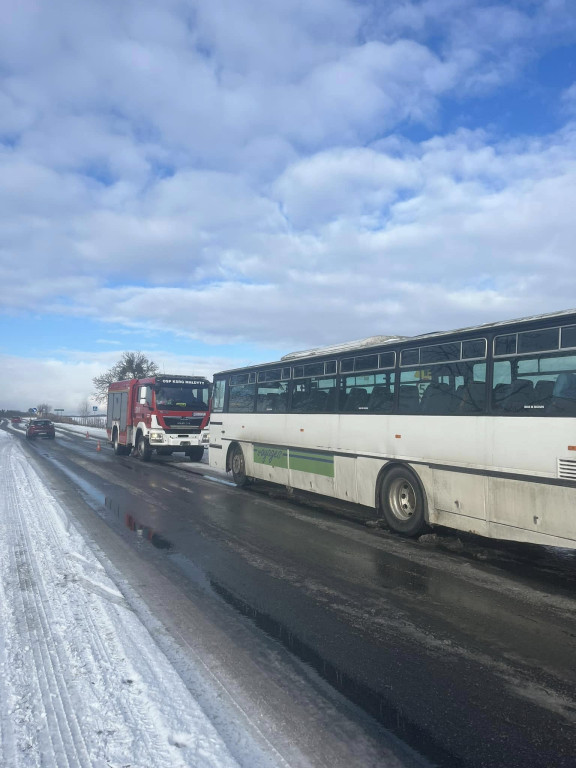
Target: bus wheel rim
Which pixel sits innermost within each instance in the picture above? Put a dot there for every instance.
(402, 499)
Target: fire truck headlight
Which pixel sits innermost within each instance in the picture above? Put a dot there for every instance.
(156, 437)
(205, 438)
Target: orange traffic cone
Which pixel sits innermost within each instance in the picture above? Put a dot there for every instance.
(87, 434)
(98, 446)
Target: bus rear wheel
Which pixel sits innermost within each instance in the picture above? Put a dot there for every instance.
(402, 502)
(238, 466)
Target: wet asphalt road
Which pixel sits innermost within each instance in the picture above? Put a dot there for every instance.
(468, 656)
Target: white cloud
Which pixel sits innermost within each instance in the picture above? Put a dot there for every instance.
(247, 170)
(486, 44)
(338, 231)
(343, 183)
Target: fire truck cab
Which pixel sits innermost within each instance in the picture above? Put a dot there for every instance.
(163, 413)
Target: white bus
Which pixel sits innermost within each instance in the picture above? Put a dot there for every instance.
(473, 429)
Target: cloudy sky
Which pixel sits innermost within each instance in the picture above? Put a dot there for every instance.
(218, 182)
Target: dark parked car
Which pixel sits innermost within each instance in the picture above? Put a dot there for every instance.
(41, 428)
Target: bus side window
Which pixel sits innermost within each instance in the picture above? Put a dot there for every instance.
(408, 399)
(438, 398)
(314, 395)
(298, 396)
(471, 394)
(554, 379)
(564, 395)
(367, 393)
(472, 397)
(356, 400)
(242, 398)
(271, 397)
(543, 390)
(542, 387)
(514, 397)
(381, 399)
(512, 393)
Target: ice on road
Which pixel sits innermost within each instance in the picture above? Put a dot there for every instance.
(82, 682)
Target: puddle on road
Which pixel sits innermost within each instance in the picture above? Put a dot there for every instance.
(143, 531)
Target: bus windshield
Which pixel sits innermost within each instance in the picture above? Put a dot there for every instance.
(182, 398)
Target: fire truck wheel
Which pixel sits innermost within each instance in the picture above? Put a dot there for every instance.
(195, 454)
(144, 450)
(119, 450)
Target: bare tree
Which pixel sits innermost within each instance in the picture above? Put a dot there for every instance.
(43, 409)
(84, 408)
(132, 365)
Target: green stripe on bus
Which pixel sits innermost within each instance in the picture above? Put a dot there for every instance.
(271, 456)
(315, 463)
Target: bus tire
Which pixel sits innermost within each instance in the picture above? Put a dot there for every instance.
(402, 502)
(238, 466)
(144, 450)
(195, 454)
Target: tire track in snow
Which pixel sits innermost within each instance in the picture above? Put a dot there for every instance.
(85, 683)
(60, 740)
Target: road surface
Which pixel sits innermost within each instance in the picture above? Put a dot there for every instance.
(345, 644)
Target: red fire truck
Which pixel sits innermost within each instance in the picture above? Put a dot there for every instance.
(161, 413)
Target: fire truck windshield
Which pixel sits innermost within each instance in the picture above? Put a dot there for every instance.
(182, 398)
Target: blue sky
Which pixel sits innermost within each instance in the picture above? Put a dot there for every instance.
(220, 183)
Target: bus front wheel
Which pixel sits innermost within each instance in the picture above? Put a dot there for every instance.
(238, 466)
(402, 502)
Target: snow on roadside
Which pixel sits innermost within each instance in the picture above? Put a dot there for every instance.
(82, 683)
(99, 432)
